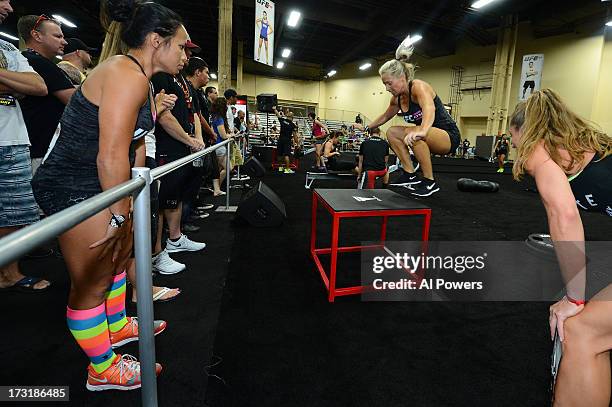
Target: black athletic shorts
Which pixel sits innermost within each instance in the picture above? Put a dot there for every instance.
(174, 185)
(529, 84)
(283, 148)
(455, 139)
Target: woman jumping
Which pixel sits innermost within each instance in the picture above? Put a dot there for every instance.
(434, 130)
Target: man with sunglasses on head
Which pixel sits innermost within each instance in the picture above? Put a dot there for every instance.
(17, 205)
(45, 41)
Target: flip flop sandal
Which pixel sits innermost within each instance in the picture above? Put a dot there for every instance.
(26, 285)
(158, 296)
(165, 290)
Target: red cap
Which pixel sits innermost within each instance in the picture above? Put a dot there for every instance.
(193, 46)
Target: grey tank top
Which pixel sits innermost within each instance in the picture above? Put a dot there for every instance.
(71, 161)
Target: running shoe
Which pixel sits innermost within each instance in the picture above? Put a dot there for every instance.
(164, 264)
(427, 187)
(129, 333)
(406, 179)
(123, 374)
(184, 244)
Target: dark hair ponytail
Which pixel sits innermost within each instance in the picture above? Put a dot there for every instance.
(139, 19)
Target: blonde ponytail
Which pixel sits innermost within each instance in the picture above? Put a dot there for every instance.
(400, 65)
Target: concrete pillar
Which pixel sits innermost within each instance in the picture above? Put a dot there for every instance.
(502, 76)
(225, 45)
(240, 68)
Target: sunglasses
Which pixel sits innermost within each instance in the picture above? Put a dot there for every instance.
(39, 21)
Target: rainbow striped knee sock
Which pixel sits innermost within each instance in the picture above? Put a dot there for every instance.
(115, 304)
(90, 329)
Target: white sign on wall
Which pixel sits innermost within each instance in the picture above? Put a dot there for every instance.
(531, 76)
(264, 32)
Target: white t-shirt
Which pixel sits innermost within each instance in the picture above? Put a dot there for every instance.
(230, 118)
(13, 131)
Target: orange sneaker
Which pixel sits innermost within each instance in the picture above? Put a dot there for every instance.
(123, 374)
(129, 333)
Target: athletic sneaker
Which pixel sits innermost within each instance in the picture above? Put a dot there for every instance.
(289, 171)
(425, 188)
(205, 207)
(184, 245)
(198, 216)
(123, 374)
(164, 264)
(129, 333)
(406, 179)
(281, 169)
(188, 227)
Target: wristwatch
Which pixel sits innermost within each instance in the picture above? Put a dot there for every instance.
(116, 221)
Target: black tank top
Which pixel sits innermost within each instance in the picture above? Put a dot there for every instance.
(71, 161)
(331, 160)
(414, 115)
(592, 187)
(503, 146)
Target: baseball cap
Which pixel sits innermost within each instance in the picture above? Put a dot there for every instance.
(75, 44)
(193, 46)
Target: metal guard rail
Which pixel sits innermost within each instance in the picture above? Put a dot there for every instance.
(19, 243)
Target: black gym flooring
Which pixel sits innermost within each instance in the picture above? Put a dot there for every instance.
(254, 307)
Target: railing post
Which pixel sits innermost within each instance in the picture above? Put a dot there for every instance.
(144, 284)
(228, 175)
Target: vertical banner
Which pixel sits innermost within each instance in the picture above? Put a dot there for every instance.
(264, 32)
(531, 76)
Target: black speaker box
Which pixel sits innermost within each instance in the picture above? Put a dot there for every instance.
(253, 168)
(484, 146)
(263, 154)
(266, 101)
(261, 207)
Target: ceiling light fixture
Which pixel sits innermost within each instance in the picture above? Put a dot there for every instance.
(286, 53)
(64, 21)
(280, 65)
(331, 73)
(213, 75)
(294, 18)
(481, 3)
(365, 66)
(609, 23)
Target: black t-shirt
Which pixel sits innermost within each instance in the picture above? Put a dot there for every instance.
(287, 127)
(374, 150)
(43, 113)
(204, 105)
(165, 143)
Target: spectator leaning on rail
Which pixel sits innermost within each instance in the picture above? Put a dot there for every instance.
(17, 205)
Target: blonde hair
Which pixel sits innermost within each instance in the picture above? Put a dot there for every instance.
(399, 65)
(545, 117)
(113, 45)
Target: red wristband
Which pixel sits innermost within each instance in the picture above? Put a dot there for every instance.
(573, 301)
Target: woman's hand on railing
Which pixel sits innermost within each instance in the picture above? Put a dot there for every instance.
(197, 145)
(117, 241)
